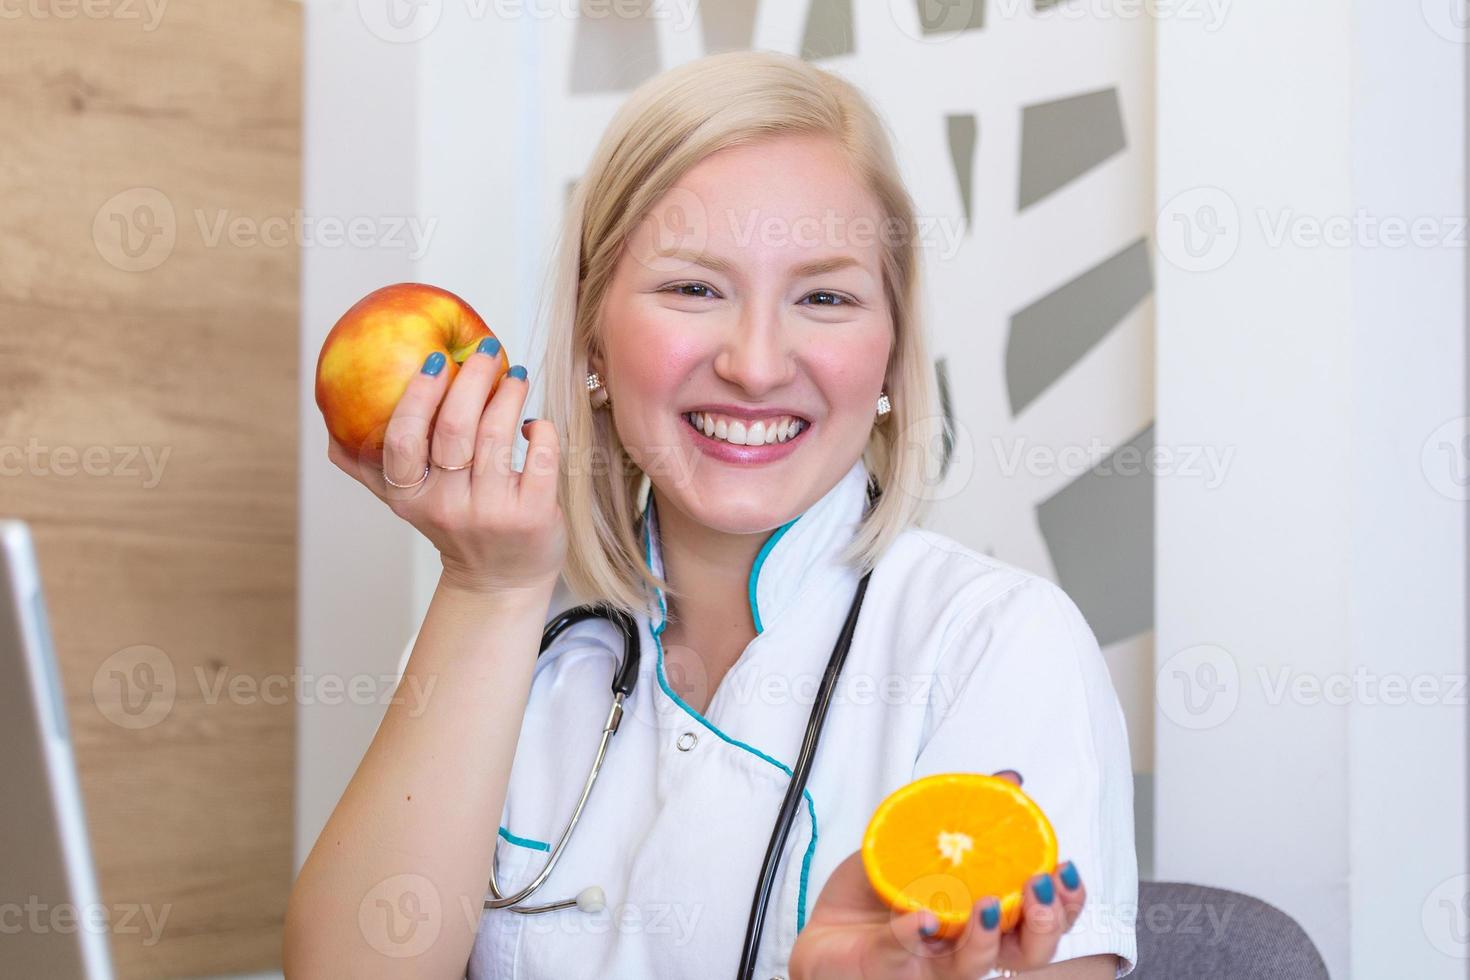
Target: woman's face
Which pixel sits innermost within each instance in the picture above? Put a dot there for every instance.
(751, 298)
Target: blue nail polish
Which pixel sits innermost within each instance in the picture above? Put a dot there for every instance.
(434, 363)
(1042, 889)
(990, 915)
(1070, 878)
(488, 345)
(929, 928)
(517, 372)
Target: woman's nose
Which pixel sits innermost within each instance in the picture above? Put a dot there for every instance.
(756, 354)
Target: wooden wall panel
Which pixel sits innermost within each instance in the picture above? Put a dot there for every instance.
(181, 348)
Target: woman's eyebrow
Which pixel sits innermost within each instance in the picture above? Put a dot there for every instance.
(817, 267)
(696, 257)
(823, 266)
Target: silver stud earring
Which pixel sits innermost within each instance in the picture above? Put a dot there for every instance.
(884, 405)
(596, 390)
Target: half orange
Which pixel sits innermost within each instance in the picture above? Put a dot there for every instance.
(944, 842)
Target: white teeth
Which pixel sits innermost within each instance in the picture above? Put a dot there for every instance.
(763, 433)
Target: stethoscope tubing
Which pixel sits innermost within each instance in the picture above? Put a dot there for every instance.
(786, 817)
(623, 682)
(512, 902)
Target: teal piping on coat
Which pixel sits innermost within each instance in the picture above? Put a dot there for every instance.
(811, 808)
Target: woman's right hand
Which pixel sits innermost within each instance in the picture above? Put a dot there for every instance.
(497, 530)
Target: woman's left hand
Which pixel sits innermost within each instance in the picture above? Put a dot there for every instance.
(853, 933)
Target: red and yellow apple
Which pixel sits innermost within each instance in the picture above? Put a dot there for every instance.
(375, 349)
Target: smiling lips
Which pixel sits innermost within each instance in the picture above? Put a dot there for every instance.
(739, 432)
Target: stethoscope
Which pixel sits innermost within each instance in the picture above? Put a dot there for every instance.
(592, 899)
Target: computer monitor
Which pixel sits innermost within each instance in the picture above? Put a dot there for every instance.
(52, 923)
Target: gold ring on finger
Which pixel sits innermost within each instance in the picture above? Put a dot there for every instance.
(463, 466)
(406, 486)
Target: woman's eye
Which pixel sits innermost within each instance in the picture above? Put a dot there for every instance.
(831, 299)
(680, 287)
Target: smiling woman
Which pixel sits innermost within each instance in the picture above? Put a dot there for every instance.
(735, 323)
(739, 273)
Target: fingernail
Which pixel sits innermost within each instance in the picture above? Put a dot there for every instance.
(1070, 878)
(990, 914)
(1042, 889)
(434, 363)
(928, 925)
(488, 345)
(517, 372)
(526, 422)
(1020, 780)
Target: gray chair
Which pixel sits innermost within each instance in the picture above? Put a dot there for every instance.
(1190, 932)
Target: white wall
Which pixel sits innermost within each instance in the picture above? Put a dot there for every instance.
(356, 599)
(1254, 356)
(1326, 551)
(1409, 891)
(429, 117)
(480, 177)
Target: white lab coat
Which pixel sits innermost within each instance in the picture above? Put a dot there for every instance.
(960, 663)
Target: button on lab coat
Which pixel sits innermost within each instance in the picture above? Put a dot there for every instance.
(960, 663)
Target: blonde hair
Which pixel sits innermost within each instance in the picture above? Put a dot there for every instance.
(667, 126)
